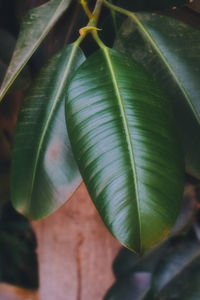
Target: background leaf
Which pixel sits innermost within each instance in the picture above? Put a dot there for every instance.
(163, 46)
(133, 273)
(168, 271)
(44, 173)
(131, 287)
(173, 274)
(6, 50)
(35, 26)
(18, 259)
(149, 4)
(123, 138)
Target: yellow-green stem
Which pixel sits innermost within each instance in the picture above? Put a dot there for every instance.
(86, 9)
(79, 40)
(93, 19)
(98, 40)
(97, 9)
(124, 12)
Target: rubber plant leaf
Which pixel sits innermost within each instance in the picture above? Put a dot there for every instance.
(35, 26)
(130, 287)
(177, 271)
(133, 273)
(7, 47)
(169, 49)
(123, 138)
(44, 173)
(169, 271)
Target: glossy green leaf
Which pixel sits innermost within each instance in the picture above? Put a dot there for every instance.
(149, 4)
(170, 50)
(123, 138)
(44, 172)
(127, 263)
(35, 26)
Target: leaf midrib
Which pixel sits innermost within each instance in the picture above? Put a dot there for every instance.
(58, 93)
(29, 53)
(164, 59)
(127, 132)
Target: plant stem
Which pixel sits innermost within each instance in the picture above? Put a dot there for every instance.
(86, 9)
(79, 40)
(118, 9)
(93, 17)
(98, 40)
(97, 10)
(129, 14)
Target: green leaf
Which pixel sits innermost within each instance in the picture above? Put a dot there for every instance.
(191, 288)
(163, 46)
(7, 47)
(127, 262)
(123, 138)
(174, 273)
(44, 173)
(35, 26)
(149, 4)
(169, 271)
(134, 273)
(131, 287)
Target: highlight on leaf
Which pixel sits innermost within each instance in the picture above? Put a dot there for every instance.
(123, 138)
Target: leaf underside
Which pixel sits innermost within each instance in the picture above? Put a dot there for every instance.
(122, 135)
(44, 172)
(170, 51)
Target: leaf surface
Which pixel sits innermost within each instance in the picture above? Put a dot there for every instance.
(134, 273)
(35, 26)
(170, 51)
(44, 172)
(169, 271)
(130, 287)
(123, 138)
(7, 46)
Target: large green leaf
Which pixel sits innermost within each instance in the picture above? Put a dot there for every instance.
(35, 26)
(170, 50)
(123, 138)
(44, 173)
(149, 4)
